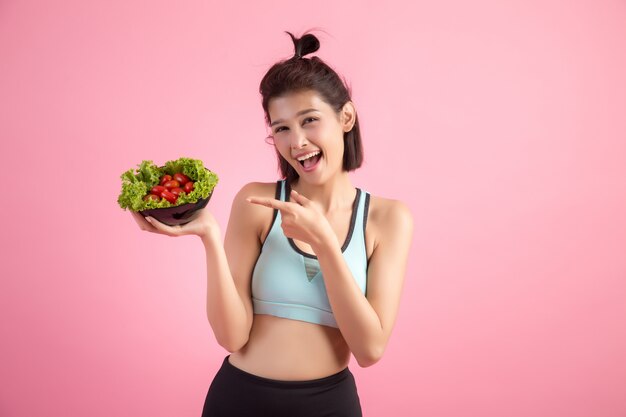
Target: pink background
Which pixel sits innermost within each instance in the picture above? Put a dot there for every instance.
(501, 124)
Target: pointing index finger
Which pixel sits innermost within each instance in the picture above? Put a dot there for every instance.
(267, 202)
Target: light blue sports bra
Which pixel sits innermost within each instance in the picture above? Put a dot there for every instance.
(287, 282)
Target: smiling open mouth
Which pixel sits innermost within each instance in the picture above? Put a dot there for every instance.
(309, 162)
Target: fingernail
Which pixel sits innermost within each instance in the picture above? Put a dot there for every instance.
(294, 191)
(149, 219)
(248, 199)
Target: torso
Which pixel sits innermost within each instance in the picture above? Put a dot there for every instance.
(287, 349)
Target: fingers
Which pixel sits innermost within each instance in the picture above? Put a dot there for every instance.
(141, 221)
(268, 202)
(163, 228)
(152, 225)
(278, 204)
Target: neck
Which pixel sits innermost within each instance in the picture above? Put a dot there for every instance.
(336, 194)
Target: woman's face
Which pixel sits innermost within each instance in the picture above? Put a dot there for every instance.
(302, 123)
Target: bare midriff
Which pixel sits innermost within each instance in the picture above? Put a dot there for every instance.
(291, 350)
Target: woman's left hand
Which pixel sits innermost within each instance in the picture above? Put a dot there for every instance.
(301, 220)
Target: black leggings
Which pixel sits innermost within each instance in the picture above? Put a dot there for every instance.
(237, 393)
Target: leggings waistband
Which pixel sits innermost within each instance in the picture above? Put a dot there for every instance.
(310, 383)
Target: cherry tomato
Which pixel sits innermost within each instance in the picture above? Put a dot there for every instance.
(165, 178)
(188, 187)
(169, 196)
(181, 178)
(154, 197)
(157, 190)
(171, 184)
(176, 191)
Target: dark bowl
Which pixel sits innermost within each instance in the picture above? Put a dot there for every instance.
(178, 215)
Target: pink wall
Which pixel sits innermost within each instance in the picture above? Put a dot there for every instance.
(501, 124)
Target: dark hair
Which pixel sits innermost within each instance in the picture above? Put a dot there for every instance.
(300, 74)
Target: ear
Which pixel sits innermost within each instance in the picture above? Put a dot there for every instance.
(348, 116)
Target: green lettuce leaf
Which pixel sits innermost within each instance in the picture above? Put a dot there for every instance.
(137, 183)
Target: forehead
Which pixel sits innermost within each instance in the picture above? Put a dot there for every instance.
(286, 106)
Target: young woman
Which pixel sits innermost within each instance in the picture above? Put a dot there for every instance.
(312, 267)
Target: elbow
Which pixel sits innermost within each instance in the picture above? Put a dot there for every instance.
(229, 349)
(371, 357)
(232, 341)
(232, 345)
(226, 345)
(229, 338)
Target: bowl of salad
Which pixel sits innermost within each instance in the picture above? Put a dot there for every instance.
(172, 194)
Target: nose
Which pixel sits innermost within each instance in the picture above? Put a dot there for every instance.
(298, 138)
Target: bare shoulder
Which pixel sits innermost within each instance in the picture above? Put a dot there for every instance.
(387, 215)
(259, 189)
(257, 216)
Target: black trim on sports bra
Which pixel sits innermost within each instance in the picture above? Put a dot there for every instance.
(355, 206)
(277, 196)
(365, 211)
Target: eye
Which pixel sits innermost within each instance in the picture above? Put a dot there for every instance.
(283, 127)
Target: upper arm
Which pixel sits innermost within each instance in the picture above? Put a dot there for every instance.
(387, 267)
(242, 245)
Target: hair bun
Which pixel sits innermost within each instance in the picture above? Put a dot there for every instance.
(305, 45)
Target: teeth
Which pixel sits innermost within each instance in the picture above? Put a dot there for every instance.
(307, 156)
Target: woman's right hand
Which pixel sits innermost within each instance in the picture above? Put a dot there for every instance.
(202, 225)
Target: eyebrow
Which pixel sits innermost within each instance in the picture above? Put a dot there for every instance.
(300, 113)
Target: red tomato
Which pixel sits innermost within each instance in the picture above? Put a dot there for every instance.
(169, 196)
(157, 190)
(165, 178)
(188, 187)
(176, 191)
(171, 184)
(181, 178)
(154, 197)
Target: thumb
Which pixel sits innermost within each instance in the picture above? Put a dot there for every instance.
(302, 200)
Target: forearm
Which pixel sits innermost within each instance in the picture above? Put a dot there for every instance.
(357, 320)
(225, 310)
